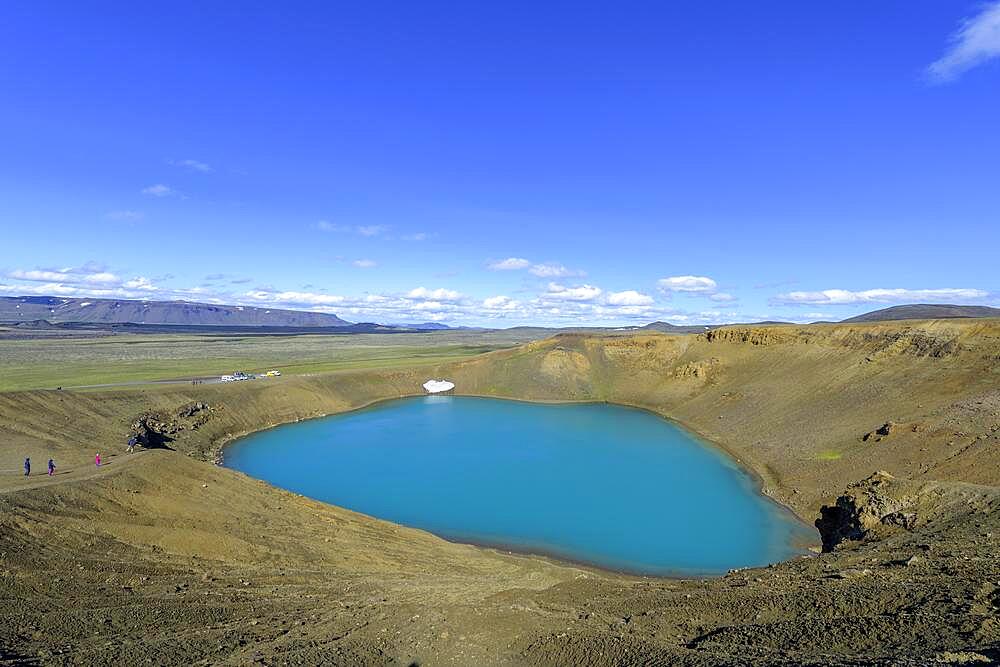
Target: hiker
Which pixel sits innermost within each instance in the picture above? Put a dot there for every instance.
(97, 459)
(27, 466)
(131, 445)
(52, 467)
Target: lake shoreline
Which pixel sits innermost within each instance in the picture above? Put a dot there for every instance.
(796, 545)
(763, 485)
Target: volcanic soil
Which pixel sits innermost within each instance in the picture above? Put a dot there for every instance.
(887, 432)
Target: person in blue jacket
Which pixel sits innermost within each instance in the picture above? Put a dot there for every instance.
(27, 466)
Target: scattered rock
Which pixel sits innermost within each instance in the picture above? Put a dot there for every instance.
(882, 431)
(851, 573)
(192, 410)
(902, 519)
(962, 658)
(915, 559)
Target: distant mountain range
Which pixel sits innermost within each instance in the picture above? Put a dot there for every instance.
(427, 326)
(40, 311)
(667, 327)
(124, 311)
(925, 311)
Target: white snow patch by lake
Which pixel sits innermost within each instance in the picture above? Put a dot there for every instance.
(437, 386)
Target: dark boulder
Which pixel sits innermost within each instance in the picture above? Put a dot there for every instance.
(879, 433)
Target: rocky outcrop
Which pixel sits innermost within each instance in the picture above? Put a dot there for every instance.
(191, 410)
(755, 336)
(156, 430)
(909, 341)
(865, 510)
(697, 369)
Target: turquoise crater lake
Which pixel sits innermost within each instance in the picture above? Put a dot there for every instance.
(615, 487)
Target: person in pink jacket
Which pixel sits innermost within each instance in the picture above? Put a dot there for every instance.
(97, 459)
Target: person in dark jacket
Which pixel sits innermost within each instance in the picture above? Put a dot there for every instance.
(27, 466)
(52, 467)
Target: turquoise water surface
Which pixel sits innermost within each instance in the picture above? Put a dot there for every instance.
(615, 487)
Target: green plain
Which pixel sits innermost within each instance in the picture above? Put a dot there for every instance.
(47, 363)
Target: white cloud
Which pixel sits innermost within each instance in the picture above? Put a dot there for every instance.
(69, 275)
(140, 283)
(436, 295)
(296, 298)
(193, 165)
(510, 264)
(722, 297)
(841, 296)
(543, 270)
(975, 42)
(365, 263)
(583, 304)
(552, 271)
(580, 293)
(629, 298)
(131, 289)
(699, 284)
(90, 280)
(55, 289)
(371, 307)
(126, 215)
(371, 230)
(556, 303)
(101, 278)
(500, 303)
(419, 236)
(37, 275)
(429, 305)
(159, 190)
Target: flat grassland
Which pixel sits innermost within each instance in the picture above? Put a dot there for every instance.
(81, 361)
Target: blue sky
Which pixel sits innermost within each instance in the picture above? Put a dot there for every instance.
(505, 163)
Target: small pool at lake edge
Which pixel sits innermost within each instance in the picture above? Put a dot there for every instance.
(615, 487)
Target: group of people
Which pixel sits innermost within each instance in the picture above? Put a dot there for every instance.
(27, 467)
(52, 464)
(130, 448)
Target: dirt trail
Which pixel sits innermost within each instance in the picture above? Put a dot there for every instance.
(15, 480)
(142, 383)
